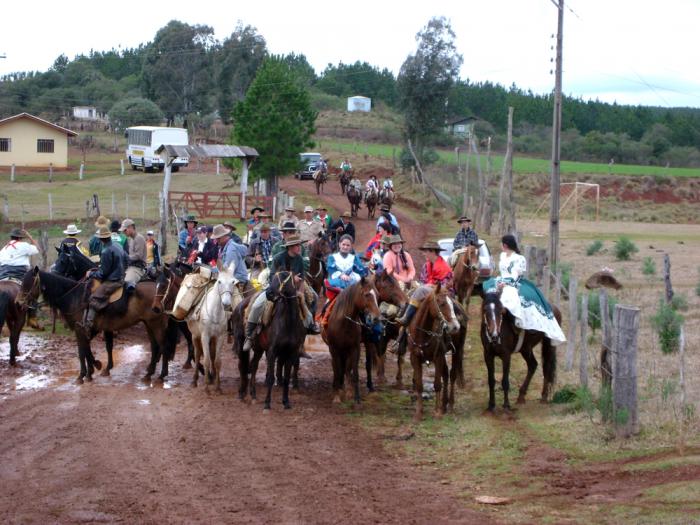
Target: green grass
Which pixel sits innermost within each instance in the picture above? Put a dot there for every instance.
(520, 164)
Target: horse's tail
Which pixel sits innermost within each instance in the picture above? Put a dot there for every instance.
(549, 363)
(4, 303)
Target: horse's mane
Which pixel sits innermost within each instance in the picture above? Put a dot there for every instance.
(56, 289)
(344, 303)
(492, 298)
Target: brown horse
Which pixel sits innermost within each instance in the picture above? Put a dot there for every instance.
(319, 180)
(356, 307)
(386, 196)
(13, 314)
(70, 299)
(344, 179)
(499, 337)
(371, 200)
(429, 341)
(466, 274)
(320, 250)
(354, 198)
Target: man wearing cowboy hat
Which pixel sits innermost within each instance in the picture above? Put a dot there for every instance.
(261, 246)
(15, 260)
(231, 252)
(255, 215)
(288, 230)
(343, 226)
(187, 234)
(71, 239)
(310, 227)
(322, 215)
(203, 250)
(289, 217)
(94, 245)
(465, 236)
(387, 216)
(274, 232)
(232, 230)
(289, 260)
(136, 258)
(110, 273)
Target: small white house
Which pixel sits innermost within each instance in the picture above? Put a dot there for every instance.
(87, 113)
(358, 103)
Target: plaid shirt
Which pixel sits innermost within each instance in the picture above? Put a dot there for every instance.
(465, 238)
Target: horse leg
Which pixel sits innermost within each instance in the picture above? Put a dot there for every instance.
(269, 378)
(505, 380)
(295, 372)
(217, 363)
(490, 366)
(418, 385)
(355, 364)
(531, 361)
(445, 384)
(243, 363)
(370, 351)
(338, 375)
(109, 346)
(190, 345)
(278, 373)
(399, 371)
(206, 349)
(438, 386)
(257, 355)
(285, 389)
(15, 330)
(197, 341)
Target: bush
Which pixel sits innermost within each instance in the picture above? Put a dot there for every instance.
(679, 303)
(579, 397)
(594, 309)
(648, 266)
(594, 247)
(667, 324)
(624, 248)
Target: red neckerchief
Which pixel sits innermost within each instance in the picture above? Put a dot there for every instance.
(12, 244)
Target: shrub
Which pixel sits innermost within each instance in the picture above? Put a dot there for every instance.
(667, 324)
(579, 397)
(679, 303)
(594, 247)
(594, 309)
(624, 248)
(648, 266)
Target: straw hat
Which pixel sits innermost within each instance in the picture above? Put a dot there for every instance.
(308, 209)
(219, 231)
(290, 208)
(293, 241)
(125, 224)
(103, 233)
(431, 246)
(347, 215)
(393, 239)
(71, 230)
(101, 221)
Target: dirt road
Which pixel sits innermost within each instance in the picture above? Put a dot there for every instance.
(119, 450)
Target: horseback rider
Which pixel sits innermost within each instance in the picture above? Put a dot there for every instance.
(389, 217)
(387, 188)
(322, 215)
(71, 239)
(288, 216)
(371, 186)
(118, 236)
(344, 267)
(309, 227)
(466, 235)
(95, 245)
(136, 266)
(202, 249)
(231, 251)
(232, 230)
(398, 262)
(187, 234)
(343, 226)
(260, 248)
(110, 273)
(15, 262)
(355, 183)
(345, 166)
(520, 297)
(376, 243)
(288, 231)
(152, 251)
(289, 260)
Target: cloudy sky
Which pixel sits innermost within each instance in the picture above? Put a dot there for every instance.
(629, 51)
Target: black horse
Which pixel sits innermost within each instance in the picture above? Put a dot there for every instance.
(500, 337)
(72, 263)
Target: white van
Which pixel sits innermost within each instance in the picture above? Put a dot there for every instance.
(143, 141)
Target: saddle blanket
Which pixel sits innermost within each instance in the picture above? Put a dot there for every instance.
(114, 296)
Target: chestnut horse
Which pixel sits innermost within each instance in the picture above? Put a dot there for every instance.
(354, 198)
(13, 314)
(371, 200)
(356, 307)
(499, 337)
(428, 341)
(320, 179)
(466, 274)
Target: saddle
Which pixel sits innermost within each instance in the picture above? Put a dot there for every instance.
(192, 289)
(114, 296)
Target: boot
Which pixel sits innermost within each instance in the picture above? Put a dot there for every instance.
(32, 320)
(249, 336)
(86, 324)
(405, 319)
(313, 329)
(399, 346)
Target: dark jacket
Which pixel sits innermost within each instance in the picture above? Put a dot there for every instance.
(111, 263)
(465, 238)
(255, 246)
(208, 254)
(348, 228)
(282, 262)
(95, 245)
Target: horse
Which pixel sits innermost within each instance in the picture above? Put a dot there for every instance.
(344, 179)
(428, 340)
(320, 178)
(371, 200)
(354, 308)
(466, 274)
(319, 252)
(354, 198)
(209, 324)
(13, 314)
(499, 337)
(69, 298)
(386, 196)
(72, 263)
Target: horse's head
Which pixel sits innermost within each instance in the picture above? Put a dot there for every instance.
(492, 313)
(282, 286)
(469, 260)
(366, 300)
(389, 290)
(225, 283)
(63, 263)
(442, 308)
(30, 289)
(321, 247)
(163, 287)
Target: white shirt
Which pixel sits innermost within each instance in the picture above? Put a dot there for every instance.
(371, 184)
(514, 266)
(17, 253)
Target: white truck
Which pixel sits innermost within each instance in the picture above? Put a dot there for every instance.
(143, 141)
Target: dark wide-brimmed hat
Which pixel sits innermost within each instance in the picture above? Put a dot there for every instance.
(16, 232)
(385, 207)
(288, 227)
(191, 218)
(431, 246)
(393, 239)
(265, 226)
(293, 241)
(256, 208)
(464, 218)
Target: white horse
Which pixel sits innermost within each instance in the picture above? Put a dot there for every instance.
(208, 323)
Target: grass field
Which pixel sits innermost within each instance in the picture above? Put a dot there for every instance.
(520, 164)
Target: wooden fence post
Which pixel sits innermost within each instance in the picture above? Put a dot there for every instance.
(625, 373)
(44, 249)
(573, 317)
(544, 280)
(583, 353)
(531, 257)
(218, 167)
(606, 357)
(50, 208)
(50, 171)
(121, 166)
(12, 173)
(557, 290)
(667, 278)
(541, 262)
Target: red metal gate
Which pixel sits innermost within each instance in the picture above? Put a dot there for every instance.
(216, 205)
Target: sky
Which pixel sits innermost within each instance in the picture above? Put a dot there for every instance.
(624, 51)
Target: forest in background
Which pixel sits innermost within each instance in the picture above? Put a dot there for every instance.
(185, 75)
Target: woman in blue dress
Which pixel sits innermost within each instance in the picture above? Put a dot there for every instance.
(344, 267)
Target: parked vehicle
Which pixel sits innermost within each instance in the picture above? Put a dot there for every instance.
(143, 141)
(309, 162)
(486, 263)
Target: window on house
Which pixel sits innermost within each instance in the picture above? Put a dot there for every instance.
(44, 145)
(5, 144)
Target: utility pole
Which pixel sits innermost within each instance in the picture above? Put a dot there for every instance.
(556, 145)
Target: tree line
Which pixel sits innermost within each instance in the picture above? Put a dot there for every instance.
(185, 74)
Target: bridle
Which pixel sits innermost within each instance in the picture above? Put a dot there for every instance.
(492, 307)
